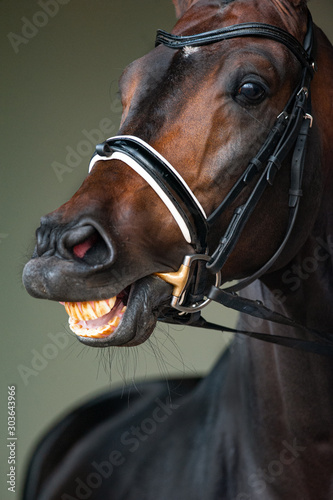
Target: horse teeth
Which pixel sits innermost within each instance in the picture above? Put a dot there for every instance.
(84, 311)
(80, 313)
(82, 329)
(102, 307)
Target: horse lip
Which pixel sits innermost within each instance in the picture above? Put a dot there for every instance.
(147, 296)
(53, 278)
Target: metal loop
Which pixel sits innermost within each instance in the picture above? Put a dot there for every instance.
(198, 306)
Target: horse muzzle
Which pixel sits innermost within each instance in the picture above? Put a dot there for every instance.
(107, 302)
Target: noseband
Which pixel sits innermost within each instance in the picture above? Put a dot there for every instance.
(289, 133)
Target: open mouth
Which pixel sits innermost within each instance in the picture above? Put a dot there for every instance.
(97, 319)
(128, 318)
(103, 309)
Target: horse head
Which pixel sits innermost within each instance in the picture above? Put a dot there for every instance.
(207, 109)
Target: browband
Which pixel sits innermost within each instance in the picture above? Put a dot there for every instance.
(240, 30)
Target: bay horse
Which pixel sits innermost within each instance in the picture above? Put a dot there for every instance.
(230, 116)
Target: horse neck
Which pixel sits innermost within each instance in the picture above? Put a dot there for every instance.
(272, 403)
(299, 385)
(272, 406)
(287, 395)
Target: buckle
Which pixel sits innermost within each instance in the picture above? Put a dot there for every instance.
(307, 116)
(304, 90)
(179, 280)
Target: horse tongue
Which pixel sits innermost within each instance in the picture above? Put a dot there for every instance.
(81, 249)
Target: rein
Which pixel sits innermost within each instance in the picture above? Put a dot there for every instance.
(290, 131)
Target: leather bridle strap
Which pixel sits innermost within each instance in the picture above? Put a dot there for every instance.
(295, 192)
(323, 348)
(164, 179)
(290, 135)
(261, 30)
(255, 166)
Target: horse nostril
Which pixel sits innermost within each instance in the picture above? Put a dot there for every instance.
(88, 243)
(81, 249)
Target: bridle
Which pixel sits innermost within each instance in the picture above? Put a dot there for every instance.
(289, 134)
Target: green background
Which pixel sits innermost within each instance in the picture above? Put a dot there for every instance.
(58, 85)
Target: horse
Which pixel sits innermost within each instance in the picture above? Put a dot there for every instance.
(229, 115)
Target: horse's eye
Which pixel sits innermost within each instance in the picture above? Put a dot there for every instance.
(252, 92)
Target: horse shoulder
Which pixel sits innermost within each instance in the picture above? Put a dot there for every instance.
(116, 423)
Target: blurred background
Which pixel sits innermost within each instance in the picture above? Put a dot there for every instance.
(60, 68)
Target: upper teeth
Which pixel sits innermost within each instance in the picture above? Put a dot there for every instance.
(89, 310)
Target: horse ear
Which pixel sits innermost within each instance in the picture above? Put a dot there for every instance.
(182, 6)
